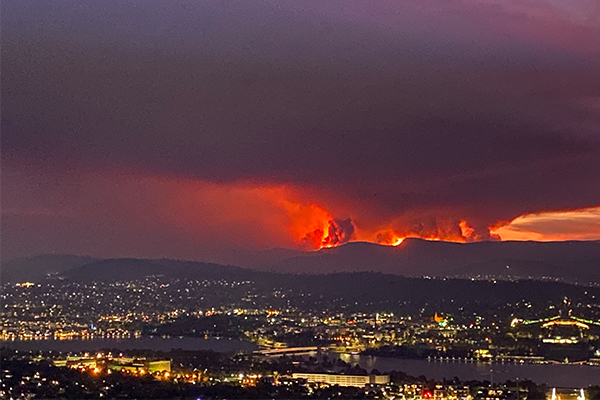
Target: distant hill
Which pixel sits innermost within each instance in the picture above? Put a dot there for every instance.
(573, 261)
(369, 289)
(375, 288)
(117, 269)
(509, 268)
(125, 269)
(37, 268)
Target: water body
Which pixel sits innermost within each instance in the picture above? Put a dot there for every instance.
(224, 345)
(560, 375)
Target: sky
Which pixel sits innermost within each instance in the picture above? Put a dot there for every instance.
(194, 129)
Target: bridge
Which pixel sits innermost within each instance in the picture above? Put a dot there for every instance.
(287, 351)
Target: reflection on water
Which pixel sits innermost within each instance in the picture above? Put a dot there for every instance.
(152, 343)
(565, 375)
(553, 375)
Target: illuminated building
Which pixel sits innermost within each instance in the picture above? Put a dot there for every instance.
(343, 380)
(118, 364)
(566, 394)
(563, 337)
(74, 362)
(134, 364)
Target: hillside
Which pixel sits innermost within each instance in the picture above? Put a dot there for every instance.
(577, 262)
(572, 261)
(37, 268)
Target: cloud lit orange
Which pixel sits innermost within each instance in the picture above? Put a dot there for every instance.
(554, 226)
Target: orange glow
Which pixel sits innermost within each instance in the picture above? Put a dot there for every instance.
(398, 241)
(312, 227)
(386, 237)
(309, 224)
(465, 229)
(258, 215)
(567, 322)
(581, 224)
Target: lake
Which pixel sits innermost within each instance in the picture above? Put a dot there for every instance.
(562, 375)
(224, 345)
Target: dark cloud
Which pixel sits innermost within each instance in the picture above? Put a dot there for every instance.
(336, 232)
(340, 231)
(419, 114)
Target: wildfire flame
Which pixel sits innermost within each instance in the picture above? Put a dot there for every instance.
(283, 215)
(389, 238)
(314, 228)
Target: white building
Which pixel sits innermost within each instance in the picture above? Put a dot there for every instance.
(342, 380)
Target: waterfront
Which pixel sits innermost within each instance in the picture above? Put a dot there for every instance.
(562, 375)
(223, 345)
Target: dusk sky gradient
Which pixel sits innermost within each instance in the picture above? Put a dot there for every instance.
(193, 129)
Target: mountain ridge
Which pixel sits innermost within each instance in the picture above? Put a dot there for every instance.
(573, 261)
